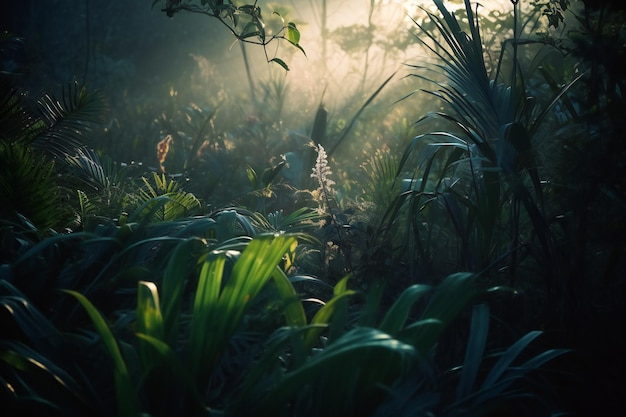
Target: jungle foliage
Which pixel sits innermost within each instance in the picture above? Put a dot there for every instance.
(457, 253)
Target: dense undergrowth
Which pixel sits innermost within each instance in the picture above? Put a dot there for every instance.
(471, 263)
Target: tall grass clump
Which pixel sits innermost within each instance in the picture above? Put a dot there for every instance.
(473, 187)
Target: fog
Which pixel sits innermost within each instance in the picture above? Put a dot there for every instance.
(149, 66)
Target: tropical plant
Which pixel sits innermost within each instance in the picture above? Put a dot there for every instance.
(21, 345)
(482, 175)
(224, 331)
(500, 387)
(34, 143)
(484, 385)
(104, 189)
(38, 363)
(163, 201)
(29, 189)
(245, 22)
(105, 262)
(346, 370)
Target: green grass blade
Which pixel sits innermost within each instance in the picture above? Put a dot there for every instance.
(293, 309)
(508, 357)
(452, 295)
(149, 318)
(474, 351)
(103, 330)
(24, 358)
(127, 401)
(174, 282)
(250, 273)
(543, 358)
(323, 318)
(173, 365)
(346, 377)
(204, 330)
(398, 313)
(218, 310)
(149, 321)
(348, 128)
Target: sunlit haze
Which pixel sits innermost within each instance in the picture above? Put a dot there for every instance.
(331, 69)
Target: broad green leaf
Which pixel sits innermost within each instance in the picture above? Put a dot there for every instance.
(293, 34)
(270, 174)
(341, 286)
(252, 176)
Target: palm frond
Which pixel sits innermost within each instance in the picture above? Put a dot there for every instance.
(161, 200)
(28, 187)
(479, 104)
(71, 120)
(16, 124)
(85, 166)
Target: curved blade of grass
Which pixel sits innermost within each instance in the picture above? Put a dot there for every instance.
(250, 273)
(174, 365)
(217, 310)
(508, 357)
(173, 285)
(398, 313)
(417, 333)
(345, 374)
(543, 358)
(293, 310)
(347, 129)
(513, 374)
(452, 295)
(127, 401)
(323, 317)
(479, 329)
(149, 321)
(25, 358)
(34, 325)
(203, 330)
